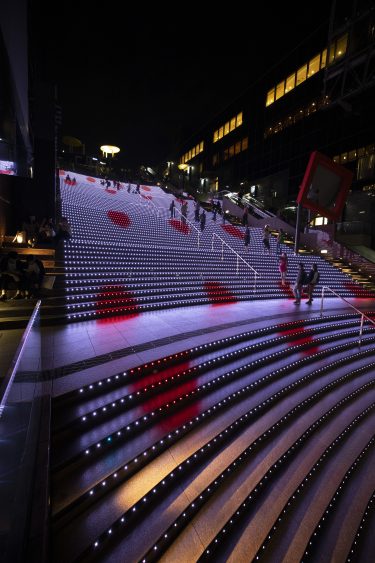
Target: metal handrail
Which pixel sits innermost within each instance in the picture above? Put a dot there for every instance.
(191, 225)
(238, 257)
(363, 316)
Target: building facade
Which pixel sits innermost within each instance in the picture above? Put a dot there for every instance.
(321, 97)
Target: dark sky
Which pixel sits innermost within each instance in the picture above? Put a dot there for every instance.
(145, 79)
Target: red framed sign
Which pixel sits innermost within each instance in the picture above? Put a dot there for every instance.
(325, 186)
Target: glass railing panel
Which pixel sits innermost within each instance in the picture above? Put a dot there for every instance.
(21, 401)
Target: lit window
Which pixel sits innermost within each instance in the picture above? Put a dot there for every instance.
(320, 221)
(201, 146)
(197, 151)
(270, 97)
(280, 90)
(239, 119)
(221, 132)
(216, 136)
(344, 157)
(237, 148)
(231, 151)
(225, 154)
(323, 60)
(193, 152)
(290, 82)
(341, 46)
(301, 74)
(314, 66)
(331, 54)
(232, 123)
(226, 128)
(245, 143)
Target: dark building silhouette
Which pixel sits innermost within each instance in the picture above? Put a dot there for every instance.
(319, 97)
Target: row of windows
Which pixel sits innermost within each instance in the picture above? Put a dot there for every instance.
(192, 153)
(337, 50)
(296, 116)
(228, 127)
(234, 149)
(349, 156)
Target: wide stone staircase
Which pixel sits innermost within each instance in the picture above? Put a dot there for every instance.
(255, 446)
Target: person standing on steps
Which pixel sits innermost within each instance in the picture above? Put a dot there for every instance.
(313, 278)
(246, 237)
(283, 267)
(300, 282)
(172, 209)
(266, 239)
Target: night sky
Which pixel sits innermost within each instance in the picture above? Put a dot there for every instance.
(146, 80)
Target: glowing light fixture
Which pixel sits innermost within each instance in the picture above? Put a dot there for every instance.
(109, 149)
(183, 166)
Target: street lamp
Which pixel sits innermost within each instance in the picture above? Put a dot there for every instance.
(183, 167)
(109, 149)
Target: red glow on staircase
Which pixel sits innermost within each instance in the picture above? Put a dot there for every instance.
(145, 188)
(234, 231)
(298, 336)
(179, 226)
(92, 180)
(286, 289)
(116, 299)
(110, 191)
(119, 218)
(168, 398)
(218, 294)
(359, 291)
(146, 196)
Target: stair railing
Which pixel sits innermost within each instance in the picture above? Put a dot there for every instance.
(191, 225)
(256, 274)
(145, 199)
(363, 316)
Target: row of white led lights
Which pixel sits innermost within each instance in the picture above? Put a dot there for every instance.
(126, 468)
(83, 195)
(84, 180)
(83, 258)
(80, 196)
(94, 388)
(228, 377)
(136, 229)
(347, 481)
(116, 230)
(141, 228)
(237, 351)
(175, 474)
(89, 204)
(209, 412)
(138, 233)
(363, 528)
(332, 449)
(87, 277)
(231, 524)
